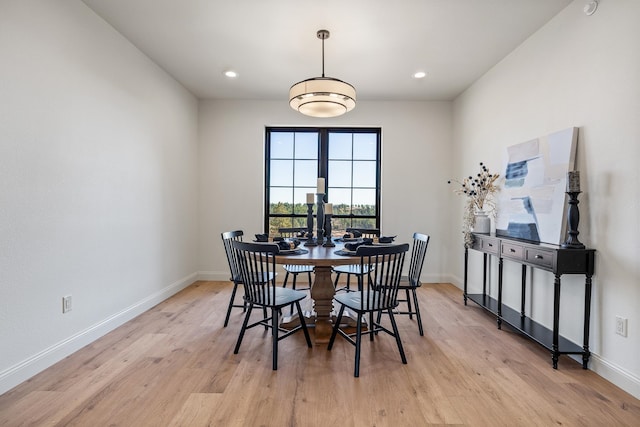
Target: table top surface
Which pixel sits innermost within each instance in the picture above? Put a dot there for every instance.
(320, 256)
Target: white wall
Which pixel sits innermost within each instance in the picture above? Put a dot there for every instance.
(416, 148)
(581, 71)
(98, 183)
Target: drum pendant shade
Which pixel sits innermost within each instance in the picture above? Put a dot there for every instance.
(322, 96)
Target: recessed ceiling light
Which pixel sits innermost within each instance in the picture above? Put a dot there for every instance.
(231, 74)
(419, 75)
(590, 8)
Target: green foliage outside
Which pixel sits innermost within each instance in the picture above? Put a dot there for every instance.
(338, 225)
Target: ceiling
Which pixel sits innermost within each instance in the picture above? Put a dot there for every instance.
(376, 45)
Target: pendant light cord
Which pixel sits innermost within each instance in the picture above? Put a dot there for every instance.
(323, 57)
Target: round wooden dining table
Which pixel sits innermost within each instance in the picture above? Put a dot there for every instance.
(323, 258)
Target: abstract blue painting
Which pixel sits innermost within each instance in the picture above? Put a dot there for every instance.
(532, 203)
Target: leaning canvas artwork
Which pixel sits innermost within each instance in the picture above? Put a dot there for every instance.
(532, 203)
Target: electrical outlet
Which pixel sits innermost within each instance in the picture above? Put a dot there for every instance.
(66, 304)
(621, 326)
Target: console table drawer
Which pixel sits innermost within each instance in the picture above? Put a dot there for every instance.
(511, 250)
(541, 258)
(486, 244)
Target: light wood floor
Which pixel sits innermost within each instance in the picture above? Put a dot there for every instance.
(174, 365)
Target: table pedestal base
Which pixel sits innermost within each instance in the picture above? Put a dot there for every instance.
(322, 292)
(318, 312)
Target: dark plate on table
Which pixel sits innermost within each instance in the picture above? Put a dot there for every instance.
(296, 251)
(345, 252)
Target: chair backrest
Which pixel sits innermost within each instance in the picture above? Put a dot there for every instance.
(227, 238)
(366, 232)
(289, 232)
(418, 253)
(384, 264)
(257, 265)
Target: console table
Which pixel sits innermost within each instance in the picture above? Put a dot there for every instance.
(553, 258)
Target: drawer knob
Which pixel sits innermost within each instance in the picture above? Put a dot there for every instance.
(490, 245)
(511, 250)
(539, 256)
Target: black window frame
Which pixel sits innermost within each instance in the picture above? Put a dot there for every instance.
(323, 166)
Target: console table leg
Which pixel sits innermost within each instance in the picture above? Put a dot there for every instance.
(466, 264)
(587, 317)
(484, 274)
(499, 319)
(556, 321)
(523, 290)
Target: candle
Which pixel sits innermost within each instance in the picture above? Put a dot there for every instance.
(573, 182)
(328, 208)
(320, 186)
(310, 198)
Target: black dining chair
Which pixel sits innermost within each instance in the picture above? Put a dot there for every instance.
(294, 269)
(227, 238)
(370, 233)
(376, 292)
(257, 265)
(410, 283)
(354, 270)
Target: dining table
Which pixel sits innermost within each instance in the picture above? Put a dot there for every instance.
(323, 258)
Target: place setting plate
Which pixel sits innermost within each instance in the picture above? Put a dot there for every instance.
(345, 252)
(296, 251)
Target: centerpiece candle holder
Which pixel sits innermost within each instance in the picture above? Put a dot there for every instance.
(320, 218)
(310, 241)
(327, 226)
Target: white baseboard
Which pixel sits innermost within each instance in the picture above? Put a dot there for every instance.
(26, 369)
(616, 375)
(454, 280)
(214, 276)
(224, 277)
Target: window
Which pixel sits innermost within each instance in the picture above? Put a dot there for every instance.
(348, 159)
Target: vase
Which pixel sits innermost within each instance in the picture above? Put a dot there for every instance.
(481, 223)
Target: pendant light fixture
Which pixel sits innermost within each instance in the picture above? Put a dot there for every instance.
(322, 96)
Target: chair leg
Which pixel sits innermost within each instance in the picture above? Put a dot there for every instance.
(335, 328)
(243, 329)
(286, 277)
(335, 283)
(303, 325)
(409, 305)
(371, 325)
(264, 316)
(417, 308)
(397, 335)
(233, 297)
(356, 372)
(274, 335)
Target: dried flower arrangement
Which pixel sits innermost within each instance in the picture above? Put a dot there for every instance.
(478, 190)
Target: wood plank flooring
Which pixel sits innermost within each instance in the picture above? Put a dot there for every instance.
(174, 366)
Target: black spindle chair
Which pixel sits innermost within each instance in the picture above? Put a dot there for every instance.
(294, 269)
(257, 266)
(354, 270)
(227, 238)
(377, 292)
(411, 282)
